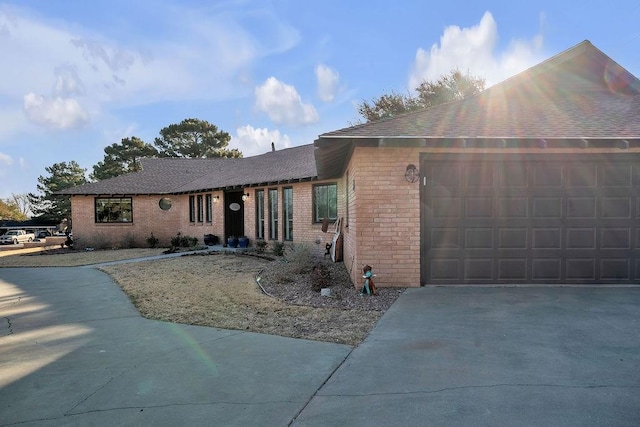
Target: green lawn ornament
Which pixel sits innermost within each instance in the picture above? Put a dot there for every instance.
(369, 287)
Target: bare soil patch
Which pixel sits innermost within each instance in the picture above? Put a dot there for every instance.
(226, 290)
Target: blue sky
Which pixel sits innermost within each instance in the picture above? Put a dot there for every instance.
(77, 76)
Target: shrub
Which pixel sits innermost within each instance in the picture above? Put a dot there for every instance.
(320, 277)
(180, 241)
(152, 241)
(278, 248)
(128, 241)
(99, 241)
(261, 245)
(298, 256)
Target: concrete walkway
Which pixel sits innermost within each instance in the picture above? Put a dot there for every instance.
(74, 351)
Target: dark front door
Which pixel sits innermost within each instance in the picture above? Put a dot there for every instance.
(530, 219)
(233, 214)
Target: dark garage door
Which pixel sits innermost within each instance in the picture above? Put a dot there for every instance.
(530, 219)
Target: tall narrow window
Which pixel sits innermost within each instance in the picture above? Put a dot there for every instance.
(192, 208)
(346, 197)
(208, 208)
(325, 202)
(260, 214)
(287, 213)
(273, 214)
(200, 208)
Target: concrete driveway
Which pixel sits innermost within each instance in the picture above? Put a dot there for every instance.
(74, 351)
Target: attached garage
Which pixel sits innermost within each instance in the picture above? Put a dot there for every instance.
(530, 218)
(535, 180)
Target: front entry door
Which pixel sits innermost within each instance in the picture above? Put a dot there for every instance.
(233, 214)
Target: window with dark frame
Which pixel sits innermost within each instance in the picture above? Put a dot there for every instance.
(209, 208)
(325, 202)
(113, 209)
(260, 214)
(273, 214)
(200, 208)
(287, 213)
(192, 208)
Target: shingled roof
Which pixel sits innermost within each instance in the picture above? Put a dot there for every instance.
(579, 94)
(184, 175)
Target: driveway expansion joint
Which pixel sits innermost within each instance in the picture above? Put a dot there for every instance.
(9, 326)
(446, 389)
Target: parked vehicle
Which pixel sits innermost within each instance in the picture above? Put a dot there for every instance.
(13, 237)
(43, 234)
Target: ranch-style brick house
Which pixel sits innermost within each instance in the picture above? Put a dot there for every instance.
(534, 181)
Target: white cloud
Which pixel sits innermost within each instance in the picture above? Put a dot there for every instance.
(60, 113)
(253, 141)
(327, 82)
(200, 53)
(6, 159)
(472, 49)
(282, 103)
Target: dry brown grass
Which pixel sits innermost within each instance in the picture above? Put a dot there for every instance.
(217, 290)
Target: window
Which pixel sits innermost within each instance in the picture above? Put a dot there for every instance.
(192, 208)
(325, 202)
(165, 203)
(260, 214)
(287, 213)
(114, 209)
(200, 208)
(273, 214)
(209, 208)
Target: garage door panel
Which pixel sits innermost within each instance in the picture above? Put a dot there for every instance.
(513, 238)
(478, 238)
(581, 238)
(545, 175)
(479, 176)
(581, 207)
(478, 269)
(615, 269)
(513, 176)
(546, 238)
(445, 238)
(445, 269)
(547, 207)
(478, 207)
(445, 207)
(580, 269)
(616, 176)
(616, 207)
(615, 238)
(513, 207)
(546, 269)
(512, 269)
(582, 176)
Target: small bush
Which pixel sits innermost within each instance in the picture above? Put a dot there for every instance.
(99, 241)
(299, 258)
(180, 241)
(152, 241)
(278, 248)
(320, 277)
(128, 241)
(261, 245)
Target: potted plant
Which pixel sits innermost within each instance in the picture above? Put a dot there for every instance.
(232, 242)
(243, 241)
(210, 239)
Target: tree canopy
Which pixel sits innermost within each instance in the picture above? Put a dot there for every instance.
(50, 206)
(11, 210)
(194, 138)
(122, 158)
(449, 87)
